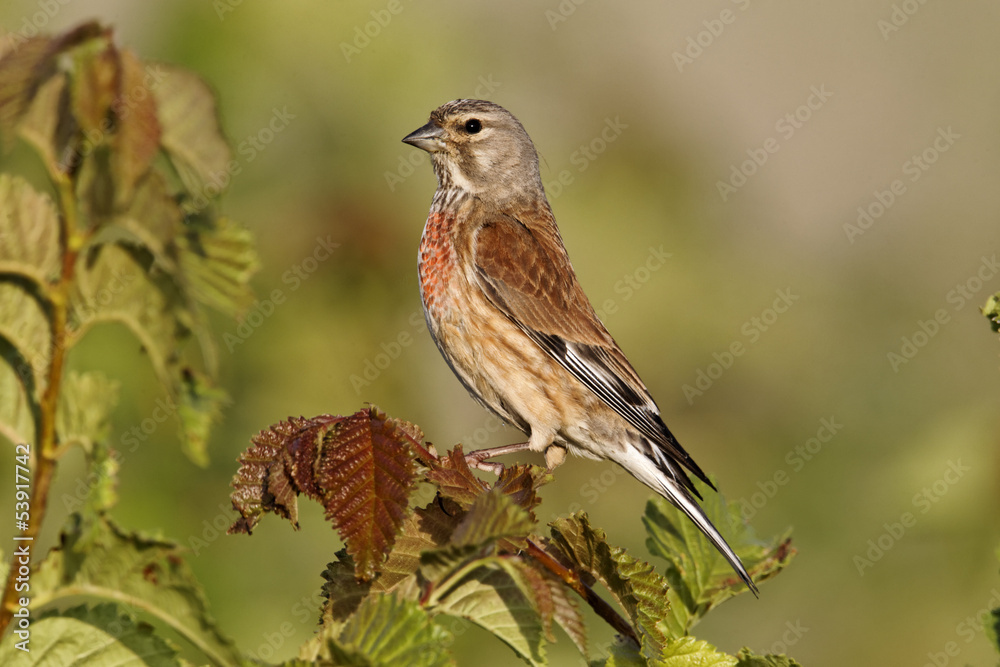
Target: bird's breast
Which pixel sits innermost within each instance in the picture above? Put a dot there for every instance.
(436, 262)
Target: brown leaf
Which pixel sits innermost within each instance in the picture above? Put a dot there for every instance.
(30, 63)
(94, 86)
(520, 483)
(367, 472)
(262, 483)
(454, 479)
(138, 136)
(360, 467)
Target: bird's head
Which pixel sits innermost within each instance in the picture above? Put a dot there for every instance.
(481, 148)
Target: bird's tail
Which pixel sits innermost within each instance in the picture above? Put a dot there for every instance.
(647, 472)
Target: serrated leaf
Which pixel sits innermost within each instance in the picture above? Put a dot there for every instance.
(137, 138)
(520, 482)
(217, 261)
(700, 577)
(493, 515)
(86, 401)
(147, 574)
(454, 479)
(199, 406)
(635, 586)
(86, 636)
(492, 599)
(386, 631)
(190, 131)
(152, 220)
(29, 233)
(746, 658)
(566, 612)
(360, 467)
(691, 652)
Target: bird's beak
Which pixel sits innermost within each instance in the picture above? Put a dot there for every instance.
(430, 138)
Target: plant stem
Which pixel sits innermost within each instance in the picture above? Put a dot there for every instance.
(573, 580)
(46, 438)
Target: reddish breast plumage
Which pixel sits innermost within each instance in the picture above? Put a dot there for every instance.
(436, 261)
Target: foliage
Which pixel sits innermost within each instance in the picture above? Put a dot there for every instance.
(472, 552)
(124, 232)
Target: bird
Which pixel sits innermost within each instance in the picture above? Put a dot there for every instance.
(505, 309)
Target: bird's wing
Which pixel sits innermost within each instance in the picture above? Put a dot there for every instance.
(527, 274)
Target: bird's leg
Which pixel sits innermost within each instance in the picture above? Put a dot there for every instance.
(477, 459)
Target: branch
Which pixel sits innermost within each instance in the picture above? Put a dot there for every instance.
(47, 444)
(573, 580)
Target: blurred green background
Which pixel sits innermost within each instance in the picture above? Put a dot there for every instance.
(638, 111)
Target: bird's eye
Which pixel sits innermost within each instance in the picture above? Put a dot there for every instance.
(472, 126)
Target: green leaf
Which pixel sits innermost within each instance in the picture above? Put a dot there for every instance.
(200, 405)
(700, 577)
(29, 234)
(747, 658)
(22, 71)
(623, 653)
(146, 574)
(493, 515)
(691, 652)
(635, 586)
(217, 260)
(84, 414)
(50, 127)
(190, 132)
(112, 286)
(992, 311)
(83, 636)
(386, 631)
(490, 597)
(16, 409)
(25, 337)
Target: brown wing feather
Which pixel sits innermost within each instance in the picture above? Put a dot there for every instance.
(527, 274)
